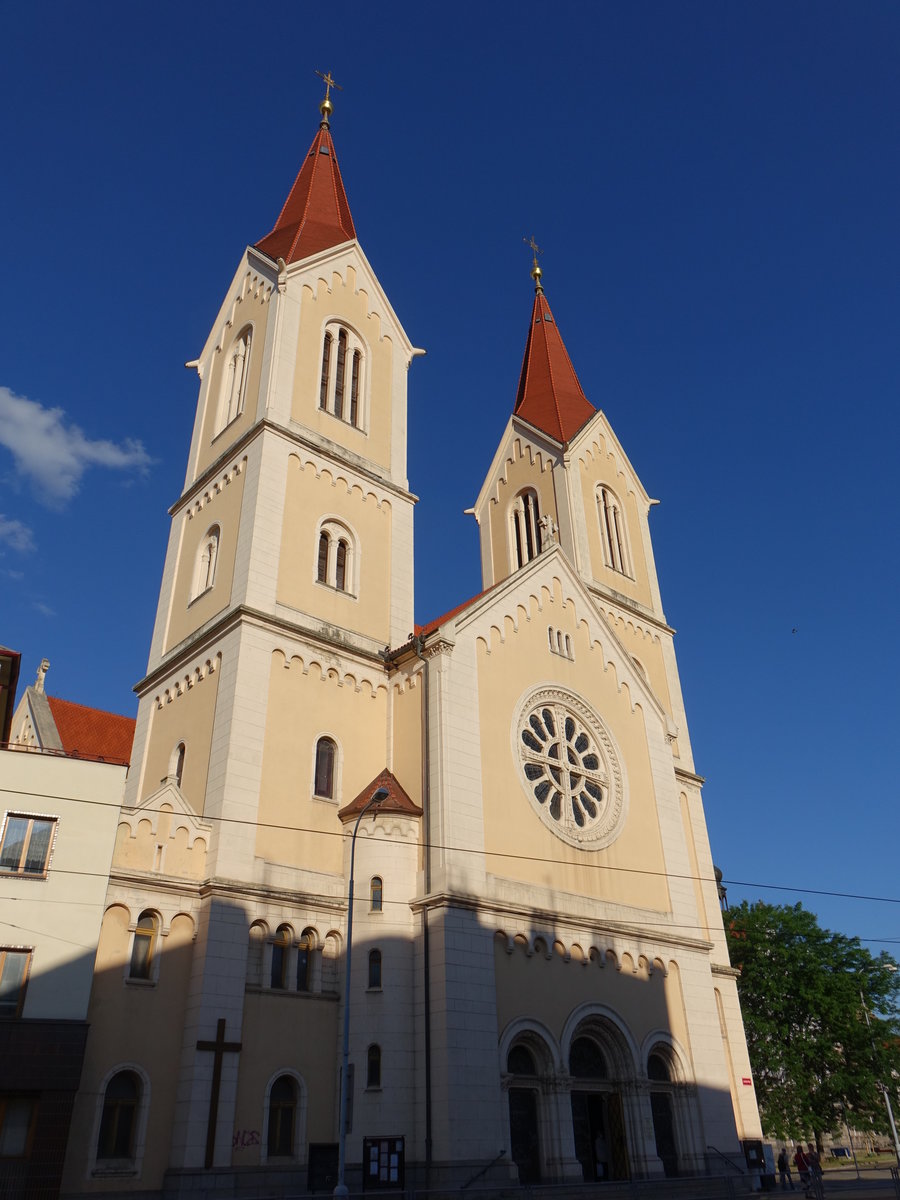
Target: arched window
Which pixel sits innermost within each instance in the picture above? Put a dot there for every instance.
(326, 758)
(662, 1109)
(177, 770)
(255, 954)
(336, 563)
(326, 371)
(376, 894)
(526, 530)
(282, 1118)
(612, 531)
(304, 961)
(143, 947)
(234, 380)
(373, 1067)
(341, 378)
(520, 1061)
(205, 568)
(281, 946)
(374, 968)
(118, 1123)
(586, 1060)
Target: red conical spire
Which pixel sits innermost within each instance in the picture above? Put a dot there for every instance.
(549, 395)
(316, 214)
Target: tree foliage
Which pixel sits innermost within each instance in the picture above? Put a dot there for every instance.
(805, 992)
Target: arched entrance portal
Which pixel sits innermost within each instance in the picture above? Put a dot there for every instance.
(524, 1130)
(598, 1119)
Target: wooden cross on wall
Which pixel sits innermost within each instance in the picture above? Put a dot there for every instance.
(219, 1048)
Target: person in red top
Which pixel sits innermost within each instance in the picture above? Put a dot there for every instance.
(801, 1162)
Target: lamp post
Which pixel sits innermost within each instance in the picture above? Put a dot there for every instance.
(341, 1188)
(886, 1093)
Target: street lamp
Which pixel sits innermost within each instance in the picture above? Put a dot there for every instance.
(341, 1188)
(887, 1097)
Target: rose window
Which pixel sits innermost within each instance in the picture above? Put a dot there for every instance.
(570, 770)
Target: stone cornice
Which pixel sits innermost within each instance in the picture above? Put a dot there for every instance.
(689, 776)
(725, 972)
(626, 604)
(200, 642)
(203, 889)
(551, 918)
(324, 447)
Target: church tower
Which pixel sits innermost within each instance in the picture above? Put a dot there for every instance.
(540, 988)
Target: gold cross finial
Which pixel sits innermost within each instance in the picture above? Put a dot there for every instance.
(329, 82)
(536, 271)
(326, 106)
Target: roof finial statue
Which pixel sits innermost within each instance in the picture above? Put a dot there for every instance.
(41, 672)
(536, 271)
(326, 107)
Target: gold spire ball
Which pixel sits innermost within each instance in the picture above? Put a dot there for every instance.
(326, 108)
(536, 272)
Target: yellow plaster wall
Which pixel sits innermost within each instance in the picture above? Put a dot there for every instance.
(518, 474)
(222, 508)
(249, 310)
(309, 498)
(306, 702)
(133, 1023)
(141, 851)
(186, 718)
(647, 649)
(597, 469)
(289, 1031)
(549, 990)
(342, 302)
(539, 857)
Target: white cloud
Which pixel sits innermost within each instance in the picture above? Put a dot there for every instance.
(15, 535)
(53, 454)
(44, 609)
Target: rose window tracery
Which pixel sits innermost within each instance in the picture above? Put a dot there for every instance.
(570, 769)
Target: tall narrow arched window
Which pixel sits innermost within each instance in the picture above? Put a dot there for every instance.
(376, 894)
(256, 954)
(326, 371)
(282, 1118)
(304, 961)
(354, 389)
(612, 531)
(205, 566)
(234, 380)
(340, 566)
(339, 373)
(118, 1122)
(526, 530)
(326, 755)
(281, 946)
(178, 771)
(373, 1067)
(143, 948)
(322, 561)
(374, 968)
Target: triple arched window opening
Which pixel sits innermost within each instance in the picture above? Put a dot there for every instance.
(526, 528)
(341, 381)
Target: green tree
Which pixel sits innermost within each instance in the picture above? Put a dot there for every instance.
(804, 995)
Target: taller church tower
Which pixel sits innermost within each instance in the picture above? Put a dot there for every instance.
(540, 986)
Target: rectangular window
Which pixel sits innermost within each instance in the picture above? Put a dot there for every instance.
(14, 965)
(25, 845)
(16, 1126)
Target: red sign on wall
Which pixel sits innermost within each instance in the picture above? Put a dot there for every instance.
(747, 1081)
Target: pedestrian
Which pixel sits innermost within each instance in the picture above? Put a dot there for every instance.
(784, 1170)
(801, 1162)
(815, 1169)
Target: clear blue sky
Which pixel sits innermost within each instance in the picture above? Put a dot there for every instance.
(716, 189)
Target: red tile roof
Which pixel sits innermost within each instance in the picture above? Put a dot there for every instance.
(316, 214)
(431, 626)
(550, 396)
(397, 799)
(91, 733)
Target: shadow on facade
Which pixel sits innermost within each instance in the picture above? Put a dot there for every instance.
(536, 1062)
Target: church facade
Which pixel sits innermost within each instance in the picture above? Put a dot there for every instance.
(540, 986)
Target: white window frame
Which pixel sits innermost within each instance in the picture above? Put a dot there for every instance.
(7, 873)
(155, 953)
(206, 562)
(338, 766)
(299, 1140)
(338, 530)
(128, 1168)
